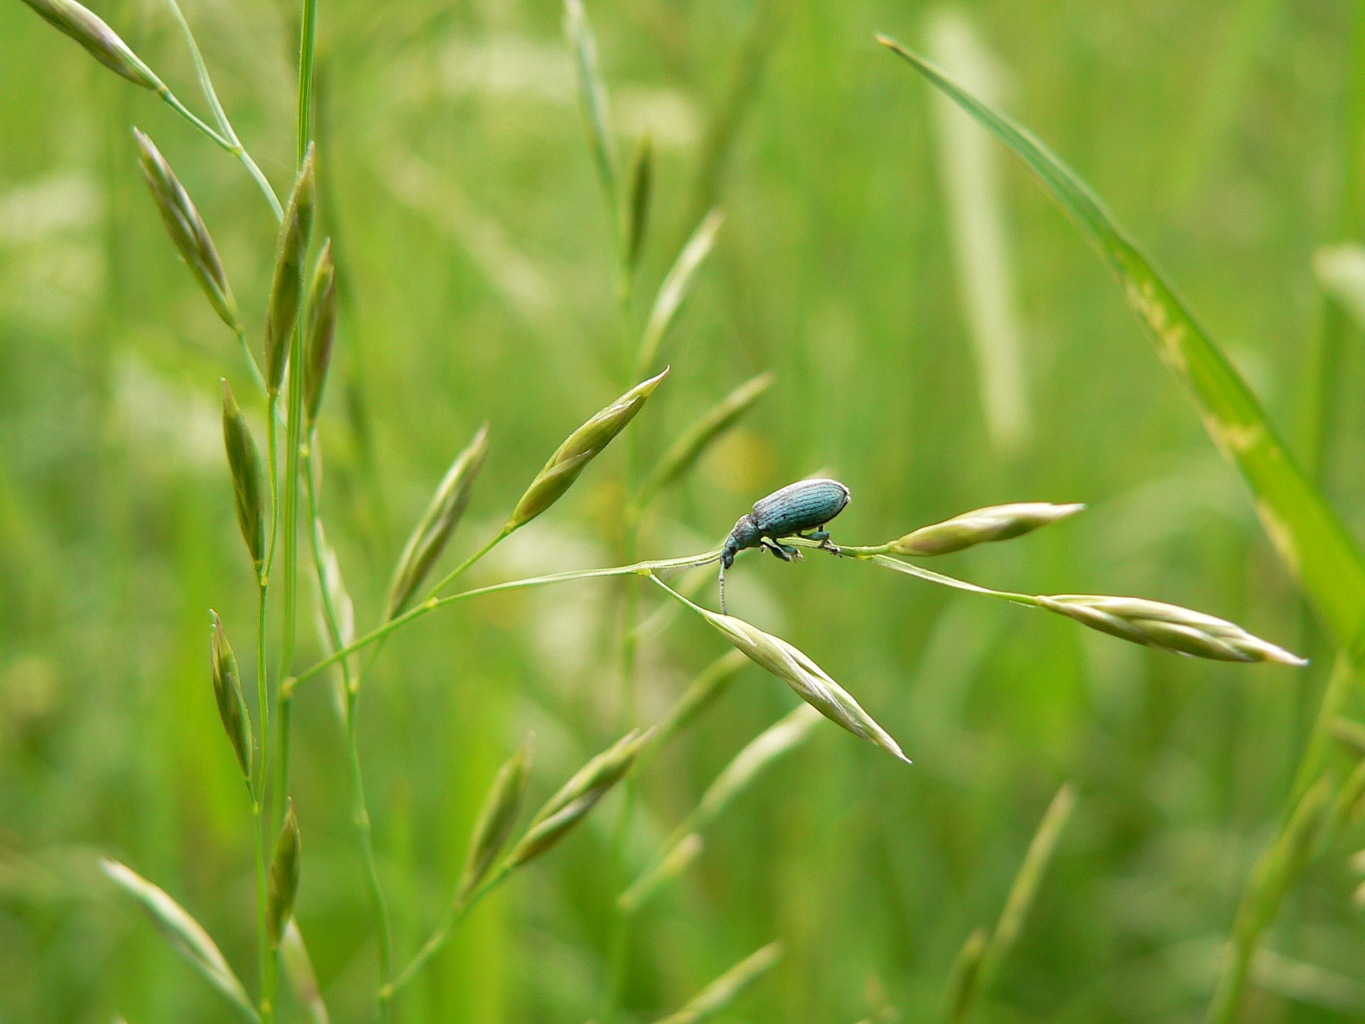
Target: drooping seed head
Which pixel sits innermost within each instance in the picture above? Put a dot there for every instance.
(983, 525)
(1167, 626)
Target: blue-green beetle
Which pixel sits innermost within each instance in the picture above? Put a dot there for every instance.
(802, 509)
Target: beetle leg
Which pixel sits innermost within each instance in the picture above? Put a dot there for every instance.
(782, 551)
(822, 535)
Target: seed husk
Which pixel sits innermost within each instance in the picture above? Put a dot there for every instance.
(102, 42)
(433, 530)
(321, 332)
(494, 825)
(284, 875)
(244, 460)
(188, 233)
(1167, 626)
(982, 525)
(580, 448)
(227, 692)
(286, 286)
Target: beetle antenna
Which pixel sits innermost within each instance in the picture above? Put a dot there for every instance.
(722, 589)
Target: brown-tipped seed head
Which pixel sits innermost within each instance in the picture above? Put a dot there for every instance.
(998, 522)
(811, 683)
(580, 448)
(433, 530)
(188, 233)
(103, 43)
(577, 797)
(284, 875)
(1167, 626)
(286, 285)
(227, 692)
(322, 323)
(244, 460)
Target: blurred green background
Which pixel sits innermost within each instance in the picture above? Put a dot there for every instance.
(475, 257)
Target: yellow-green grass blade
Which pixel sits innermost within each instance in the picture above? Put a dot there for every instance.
(1308, 535)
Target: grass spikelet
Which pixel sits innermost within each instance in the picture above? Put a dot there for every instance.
(722, 993)
(227, 692)
(101, 41)
(284, 875)
(494, 824)
(322, 323)
(684, 452)
(592, 93)
(576, 798)
(677, 859)
(700, 694)
(244, 460)
(298, 965)
(676, 288)
(1350, 735)
(287, 283)
(438, 522)
(983, 525)
(962, 979)
(811, 683)
(183, 932)
(188, 233)
(641, 191)
(580, 448)
(1167, 626)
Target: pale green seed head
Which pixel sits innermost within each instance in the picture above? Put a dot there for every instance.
(227, 692)
(102, 42)
(284, 875)
(983, 525)
(244, 461)
(286, 286)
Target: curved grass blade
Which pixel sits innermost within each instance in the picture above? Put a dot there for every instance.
(1307, 534)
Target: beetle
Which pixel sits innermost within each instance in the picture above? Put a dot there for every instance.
(802, 509)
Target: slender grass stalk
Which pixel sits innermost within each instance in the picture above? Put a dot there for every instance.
(350, 685)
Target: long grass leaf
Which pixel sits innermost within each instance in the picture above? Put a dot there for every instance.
(1308, 535)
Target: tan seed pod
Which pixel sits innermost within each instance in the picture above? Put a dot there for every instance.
(998, 522)
(1167, 626)
(577, 797)
(284, 875)
(321, 332)
(227, 692)
(286, 286)
(244, 460)
(580, 448)
(433, 530)
(811, 683)
(188, 233)
(495, 821)
(103, 43)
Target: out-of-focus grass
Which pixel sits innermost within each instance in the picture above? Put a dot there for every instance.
(479, 283)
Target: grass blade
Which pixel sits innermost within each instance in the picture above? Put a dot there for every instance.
(592, 93)
(1307, 534)
(676, 287)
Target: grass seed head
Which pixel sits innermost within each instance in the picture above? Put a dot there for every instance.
(811, 683)
(641, 189)
(284, 875)
(103, 43)
(322, 323)
(285, 287)
(433, 530)
(580, 448)
(998, 522)
(495, 821)
(227, 691)
(244, 460)
(188, 233)
(1167, 626)
(577, 797)
(721, 993)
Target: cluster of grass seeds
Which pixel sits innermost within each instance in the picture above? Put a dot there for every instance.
(278, 503)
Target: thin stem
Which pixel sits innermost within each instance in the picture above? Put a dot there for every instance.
(259, 818)
(454, 915)
(359, 807)
(174, 101)
(433, 603)
(220, 115)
